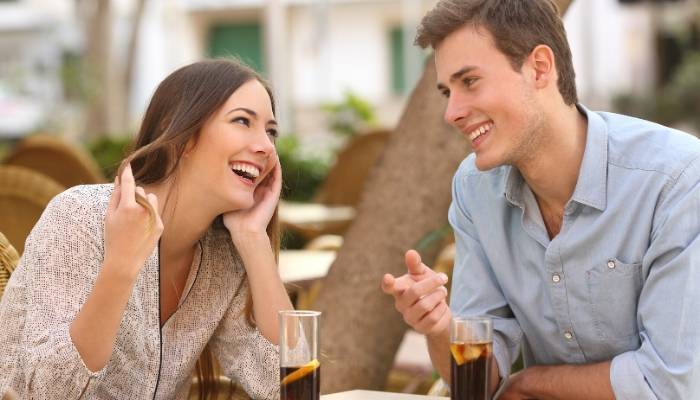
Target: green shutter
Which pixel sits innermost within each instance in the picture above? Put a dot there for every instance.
(398, 74)
(243, 41)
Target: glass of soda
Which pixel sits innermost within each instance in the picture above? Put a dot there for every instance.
(300, 369)
(471, 348)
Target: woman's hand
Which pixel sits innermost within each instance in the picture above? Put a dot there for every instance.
(130, 233)
(253, 221)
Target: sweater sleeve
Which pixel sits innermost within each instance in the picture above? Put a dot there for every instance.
(55, 275)
(246, 356)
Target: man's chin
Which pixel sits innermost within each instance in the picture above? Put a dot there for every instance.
(485, 165)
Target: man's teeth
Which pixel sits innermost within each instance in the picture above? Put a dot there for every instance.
(480, 131)
(247, 169)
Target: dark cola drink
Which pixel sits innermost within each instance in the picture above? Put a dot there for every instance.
(471, 364)
(301, 383)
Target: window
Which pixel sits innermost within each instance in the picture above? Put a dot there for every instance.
(243, 41)
(398, 72)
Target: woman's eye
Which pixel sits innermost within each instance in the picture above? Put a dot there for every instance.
(241, 120)
(273, 132)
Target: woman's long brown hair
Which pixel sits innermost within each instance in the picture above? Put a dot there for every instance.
(178, 110)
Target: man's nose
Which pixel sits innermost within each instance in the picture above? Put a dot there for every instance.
(457, 109)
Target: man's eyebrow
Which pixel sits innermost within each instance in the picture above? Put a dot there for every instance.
(457, 75)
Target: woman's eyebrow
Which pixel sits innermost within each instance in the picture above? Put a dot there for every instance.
(247, 110)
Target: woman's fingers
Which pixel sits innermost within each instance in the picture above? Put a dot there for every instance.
(116, 194)
(277, 174)
(127, 187)
(153, 200)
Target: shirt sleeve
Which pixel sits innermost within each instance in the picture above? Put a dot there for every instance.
(667, 364)
(475, 291)
(52, 281)
(246, 356)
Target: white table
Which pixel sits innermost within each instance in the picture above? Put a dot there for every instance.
(313, 219)
(300, 266)
(372, 395)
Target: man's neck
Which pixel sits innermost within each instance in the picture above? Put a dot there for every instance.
(552, 173)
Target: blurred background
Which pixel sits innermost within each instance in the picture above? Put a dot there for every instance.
(76, 76)
(85, 69)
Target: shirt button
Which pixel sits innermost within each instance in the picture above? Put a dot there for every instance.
(568, 335)
(611, 264)
(556, 278)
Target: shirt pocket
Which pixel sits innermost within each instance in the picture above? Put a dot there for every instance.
(613, 294)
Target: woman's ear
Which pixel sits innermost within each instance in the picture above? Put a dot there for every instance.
(189, 146)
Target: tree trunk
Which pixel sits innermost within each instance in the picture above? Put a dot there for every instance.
(130, 65)
(97, 56)
(406, 197)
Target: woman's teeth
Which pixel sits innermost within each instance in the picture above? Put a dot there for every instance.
(245, 170)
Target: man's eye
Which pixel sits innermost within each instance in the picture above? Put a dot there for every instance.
(468, 82)
(445, 94)
(241, 120)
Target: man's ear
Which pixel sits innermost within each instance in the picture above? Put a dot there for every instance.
(541, 60)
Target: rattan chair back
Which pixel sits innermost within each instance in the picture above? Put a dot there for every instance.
(8, 261)
(23, 196)
(346, 179)
(67, 164)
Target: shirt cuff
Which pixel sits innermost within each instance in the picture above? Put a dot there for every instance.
(500, 353)
(627, 380)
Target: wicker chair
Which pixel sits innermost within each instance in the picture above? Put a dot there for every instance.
(66, 164)
(227, 390)
(23, 196)
(344, 184)
(8, 261)
(346, 179)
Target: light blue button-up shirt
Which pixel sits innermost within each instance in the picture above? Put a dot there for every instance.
(620, 281)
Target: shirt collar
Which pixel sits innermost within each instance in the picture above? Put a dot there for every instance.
(591, 186)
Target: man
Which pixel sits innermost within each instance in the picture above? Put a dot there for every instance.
(576, 231)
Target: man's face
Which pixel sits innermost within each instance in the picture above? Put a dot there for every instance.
(493, 105)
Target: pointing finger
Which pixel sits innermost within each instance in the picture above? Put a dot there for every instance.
(414, 264)
(388, 284)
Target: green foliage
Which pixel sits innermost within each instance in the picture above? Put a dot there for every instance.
(301, 174)
(677, 102)
(350, 116)
(108, 152)
(4, 150)
(684, 89)
(434, 238)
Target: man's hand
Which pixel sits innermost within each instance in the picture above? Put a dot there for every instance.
(515, 387)
(561, 382)
(420, 296)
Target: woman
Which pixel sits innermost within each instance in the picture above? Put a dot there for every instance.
(122, 287)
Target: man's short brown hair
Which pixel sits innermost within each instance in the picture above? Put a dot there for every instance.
(517, 27)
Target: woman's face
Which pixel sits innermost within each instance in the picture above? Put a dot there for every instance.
(235, 150)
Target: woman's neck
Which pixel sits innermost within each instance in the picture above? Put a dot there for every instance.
(185, 221)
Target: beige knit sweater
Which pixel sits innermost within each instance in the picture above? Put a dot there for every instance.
(62, 258)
